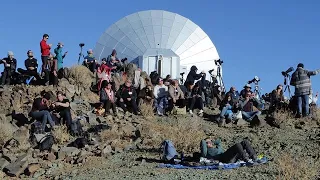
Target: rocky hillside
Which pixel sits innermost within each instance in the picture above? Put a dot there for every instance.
(127, 146)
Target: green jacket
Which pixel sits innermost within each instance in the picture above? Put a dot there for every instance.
(211, 152)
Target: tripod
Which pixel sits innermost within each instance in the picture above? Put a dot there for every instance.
(80, 55)
(287, 78)
(219, 78)
(257, 89)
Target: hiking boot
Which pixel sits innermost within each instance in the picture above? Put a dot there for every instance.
(222, 122)
(299, 115)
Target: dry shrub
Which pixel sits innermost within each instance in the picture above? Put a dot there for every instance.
(291, 167)
(146, 110)
(6, 132)
(283, 117)
(81, 75)
(109, 135)
(185, 133)
(61, 134)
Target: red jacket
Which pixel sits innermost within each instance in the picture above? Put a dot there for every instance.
(45, 48)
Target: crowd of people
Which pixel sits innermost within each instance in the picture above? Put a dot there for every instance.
(163, 94)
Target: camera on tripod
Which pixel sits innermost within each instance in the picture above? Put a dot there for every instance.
(256, 79)
(218, 62)
(210, 71)
(286, 73)
(81, 44)
(181, 74)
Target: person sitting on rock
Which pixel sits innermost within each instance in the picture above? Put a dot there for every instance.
(277, 99)
(31, 65)
(243, 92)
(107, 98)
(235, 96)
(90, 61)
(62, 107)
(196, 95)
(127, 97)
(227, 106)
(10, 65)
(176, 96)
(104, 73)
(247, 106)
(146, 94)
(40, 111)
(161, 97)
(240, 151)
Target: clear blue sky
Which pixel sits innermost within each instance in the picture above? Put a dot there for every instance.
(253, 37)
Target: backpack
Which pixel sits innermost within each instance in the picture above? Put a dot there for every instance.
(169, 152)
(46, 142)
(76, 128)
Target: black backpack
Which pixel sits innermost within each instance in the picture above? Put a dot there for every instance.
(76, 128)
(46, 142)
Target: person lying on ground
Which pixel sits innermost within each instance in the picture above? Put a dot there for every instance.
(62, 108)
(127, 97)
(40, 111)
(247, 107)
(176, 96)
(161, 97)
(240, 151)
(107, 98)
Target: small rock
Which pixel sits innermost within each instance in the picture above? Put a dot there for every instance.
(16, 168)
(106, 151)
(70, 151)
(3, 163)
(55, 148)
(241, 122)
(118, 150)
(50, 157)
(32, 168)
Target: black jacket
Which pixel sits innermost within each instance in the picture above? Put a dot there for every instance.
(192, 76)
(12, 62)
(125, 92)
(33, 62)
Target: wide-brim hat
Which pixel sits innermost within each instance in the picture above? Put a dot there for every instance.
(247, 86)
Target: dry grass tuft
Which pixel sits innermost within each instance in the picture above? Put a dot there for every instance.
(81, 75)
(291, 167)
(185, 133)
(6, 132)
(109, 135)
(146, 110)
(61, 134)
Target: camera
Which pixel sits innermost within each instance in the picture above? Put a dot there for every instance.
(210, 71)
(81, 44)
(256, 79)
(124, 59)
(218, 62)
(286, 73)
(181, 74)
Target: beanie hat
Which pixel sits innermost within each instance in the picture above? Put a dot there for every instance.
(301, 65)
(10, 53)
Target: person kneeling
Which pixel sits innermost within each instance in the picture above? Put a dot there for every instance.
(62, 108)
(107, 97)
(240, 151)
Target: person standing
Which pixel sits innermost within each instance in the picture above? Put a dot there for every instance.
(59, 55)
(10, 64)
(300, 79)
(45, 53)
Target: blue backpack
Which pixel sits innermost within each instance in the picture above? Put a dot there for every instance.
(168, 150)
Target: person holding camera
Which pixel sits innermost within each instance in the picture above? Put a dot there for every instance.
(300, 79)
(90, 61)
(59, 55)
(246, 89)
(193, 76)
(10, 65)
(247, 107)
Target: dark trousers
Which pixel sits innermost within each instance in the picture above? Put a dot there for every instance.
(30, 73)
(6, 77)
(180, 103)
(131, 104)
(53, 80)
(44, 62)
(43, 116)
(66, 116)
(107, 105)
(242, 151)
(197, 100)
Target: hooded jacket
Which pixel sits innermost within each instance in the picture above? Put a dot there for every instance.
(300, 79)
(192, 76)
